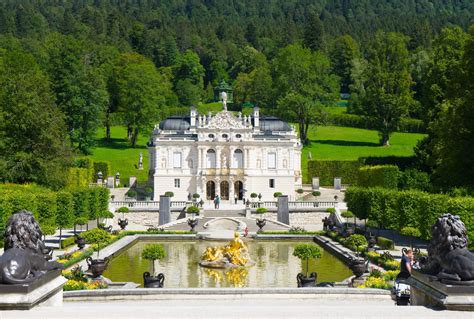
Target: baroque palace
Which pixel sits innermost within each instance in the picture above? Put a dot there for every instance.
(226, 155)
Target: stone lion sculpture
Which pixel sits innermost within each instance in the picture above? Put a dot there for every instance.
(448, 256)
(26, 257)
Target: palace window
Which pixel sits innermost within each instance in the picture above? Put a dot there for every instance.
(211, 159)
(177, 183)
(271, 160)
(177, 160)
(238, 159)
(271, 183)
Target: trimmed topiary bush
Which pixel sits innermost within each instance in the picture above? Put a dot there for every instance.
(355, 241)
(254, 195)
(192, 210)
(169, 194)
(131, 193)
(277, 194)
(316, 193)
(385, 243)
(305, 252)
(261, 210)
(382, 175)
(98, 237)
(154, 252)
(300, 191)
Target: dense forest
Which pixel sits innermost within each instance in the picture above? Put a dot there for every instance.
(68, 68)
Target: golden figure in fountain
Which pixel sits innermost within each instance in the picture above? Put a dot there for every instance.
(234, 254)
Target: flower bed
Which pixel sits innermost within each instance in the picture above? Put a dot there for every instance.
(77, 280)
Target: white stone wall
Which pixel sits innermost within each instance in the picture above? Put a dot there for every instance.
(310, 221)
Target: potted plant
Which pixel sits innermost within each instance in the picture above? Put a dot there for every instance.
(123, 222)
(300, 191)
(316, 193)
(253, 196)
(277, 194)
(97, 237)
(410, 232)
(153, 252)
(261, 218)
(259, 196)
(196, 197)
(131, 194)
(305, 252)
(169, 194)
(148, 192)
(192, 221)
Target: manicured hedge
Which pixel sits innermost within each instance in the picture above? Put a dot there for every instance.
(395, 209)
(403, 162)
(327, 170)
(385, 243)
(380, 175)
(67, 242)
(104, 167)
(79, 177)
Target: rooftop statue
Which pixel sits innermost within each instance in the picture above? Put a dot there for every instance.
(26, 257)
(224, 100)
(234, 254)
(448, 256)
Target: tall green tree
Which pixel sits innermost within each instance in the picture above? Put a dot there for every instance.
(140, 92)
(80, 89)
(453, 130)
(345, 50)
(304, 84)
(388, 95)
(32, 131)
(189, 78)
(314, 35)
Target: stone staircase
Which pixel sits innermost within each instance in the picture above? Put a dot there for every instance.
(224, 213)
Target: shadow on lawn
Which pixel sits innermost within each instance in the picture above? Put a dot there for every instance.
(117, 144)
(346, 143)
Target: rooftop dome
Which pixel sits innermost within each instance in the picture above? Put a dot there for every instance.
(175, 123)
(272, 123)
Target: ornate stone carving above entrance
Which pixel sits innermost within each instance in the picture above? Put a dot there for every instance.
(225, 120)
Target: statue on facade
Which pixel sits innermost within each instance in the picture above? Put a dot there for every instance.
(448, 256)
(224, 100)
(26, 257)
(140, 161)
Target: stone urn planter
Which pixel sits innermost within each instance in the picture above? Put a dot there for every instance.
(80, 242)
(97, 266)
(371, 240)
(309, 281)
(358, 266)
(150, 281)
(193, 223)
(123, 223)
(260, 224)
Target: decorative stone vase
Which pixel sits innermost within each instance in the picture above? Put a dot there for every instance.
(106, 228)
(358, 266)
(192, 222)
(80, 242)
(260, 224)
(97, 266)
(304, 281)
(150, 281)
(371, 241)
(123, 223)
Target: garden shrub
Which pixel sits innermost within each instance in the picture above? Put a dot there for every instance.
(407, 125)
(103, 166)
(385, 243)
(167, 194)
(81, 203)
(414, 179)
(94, 202)
(327, 170)
(67, 242)
(79, 177)
(353, 242)
(395, 209)
(277, 194)
(316, 193)
(379, 176)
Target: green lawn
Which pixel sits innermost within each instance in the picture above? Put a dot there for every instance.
(347, 143)
(118, 152)
(328, 143)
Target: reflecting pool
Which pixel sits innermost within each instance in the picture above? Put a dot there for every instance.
(275, 266)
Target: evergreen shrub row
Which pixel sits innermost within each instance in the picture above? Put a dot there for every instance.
(393, 209)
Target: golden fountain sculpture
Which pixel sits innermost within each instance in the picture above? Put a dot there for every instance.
(234, 254)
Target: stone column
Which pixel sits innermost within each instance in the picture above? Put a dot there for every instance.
(231, 157)
(217, 180)
(283, 212)
(231, 190)
(165, 210)
(218, 157)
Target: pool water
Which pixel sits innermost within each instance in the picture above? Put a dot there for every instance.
(275, 266)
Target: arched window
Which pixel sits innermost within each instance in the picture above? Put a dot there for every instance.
(210, 190)
(211, 159)
(238, 159)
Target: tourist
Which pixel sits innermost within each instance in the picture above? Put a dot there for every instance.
(217, 201)
(201, 203)
(235, 199)
(406, 265)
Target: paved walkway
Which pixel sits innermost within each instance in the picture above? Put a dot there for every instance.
(258, 307)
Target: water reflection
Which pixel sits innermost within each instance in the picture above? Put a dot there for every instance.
(275, 266)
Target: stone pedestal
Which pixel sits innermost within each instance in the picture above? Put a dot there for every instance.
(283, 212)
(337, 183)
(429, 291)
(315, 183)
(46, 291)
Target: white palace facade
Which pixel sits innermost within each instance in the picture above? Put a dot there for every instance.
(224, 155)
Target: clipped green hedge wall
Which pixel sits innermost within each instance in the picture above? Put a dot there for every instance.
(327, 170)
(395, 209)
(385, 243)
(67, 242)
(380, 175)
(79, 177)
(104, 167)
